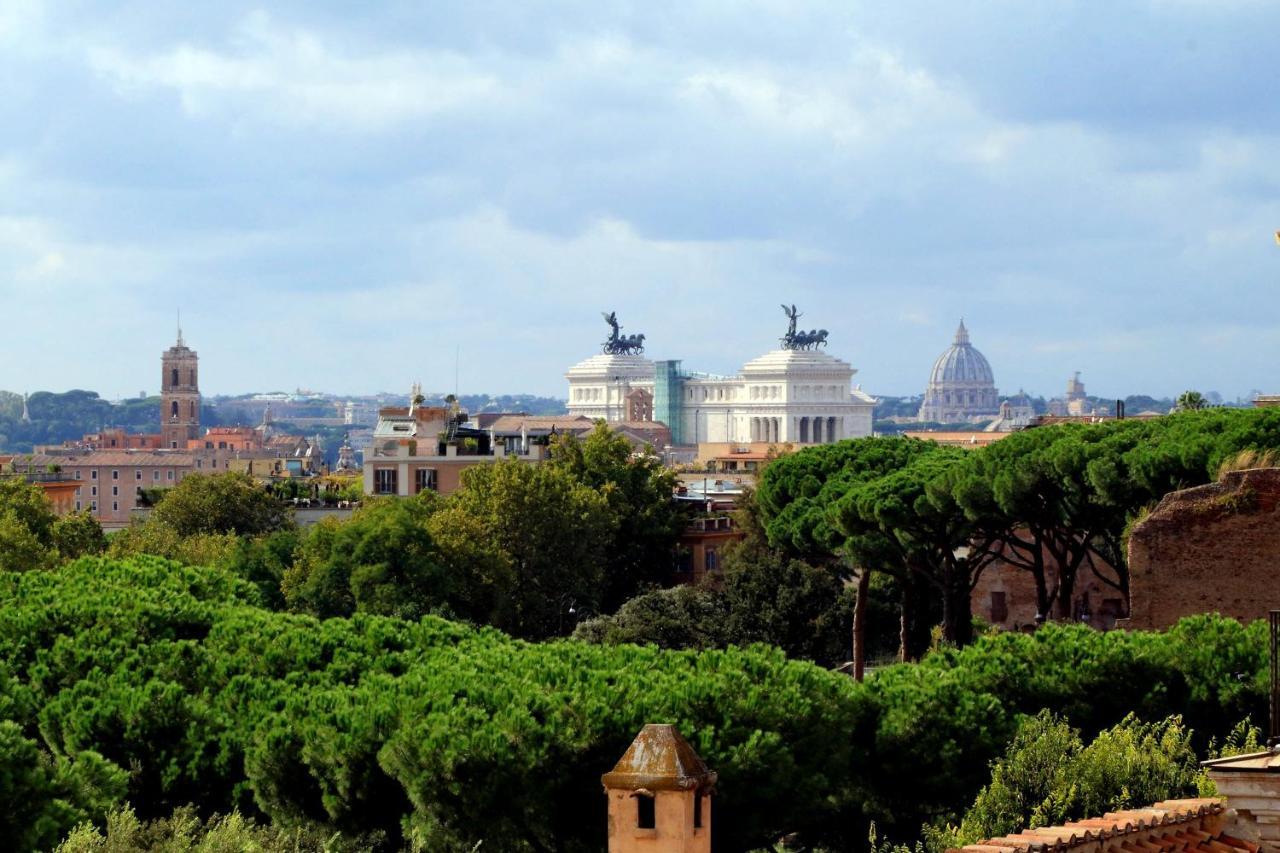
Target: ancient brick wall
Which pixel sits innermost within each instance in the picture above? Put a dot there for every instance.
(1005, 596)
(1209, 549)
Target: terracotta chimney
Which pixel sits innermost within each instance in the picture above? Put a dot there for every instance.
(659, 796)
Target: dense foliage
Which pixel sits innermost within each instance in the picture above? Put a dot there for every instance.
(33, 537)
(185, 832)
(143, 681)
(377, 727)
(1053, 501)
(529, 549)
(762, 596)
(226, 503)
(956, 709)
(146, 681)
(1049, 776)
(643, 522)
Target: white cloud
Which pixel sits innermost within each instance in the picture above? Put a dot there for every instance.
(502, 174)
(873, 97)
(20, 20)
(36, 259)
(296, 76)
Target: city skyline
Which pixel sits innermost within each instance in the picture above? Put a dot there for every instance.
(336, 201)
(304, 390)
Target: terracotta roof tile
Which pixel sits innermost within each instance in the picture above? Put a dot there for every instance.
(1171, 826)
(121, 458)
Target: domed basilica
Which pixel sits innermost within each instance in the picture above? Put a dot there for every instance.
(961, 386)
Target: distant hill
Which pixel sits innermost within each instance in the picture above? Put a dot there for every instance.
(61, 417)
(533, 405)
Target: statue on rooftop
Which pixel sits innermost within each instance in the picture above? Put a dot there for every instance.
(620, 344)
(801, 340)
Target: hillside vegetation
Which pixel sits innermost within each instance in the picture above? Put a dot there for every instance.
(147, 682)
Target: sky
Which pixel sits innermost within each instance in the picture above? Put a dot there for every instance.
(348, 197)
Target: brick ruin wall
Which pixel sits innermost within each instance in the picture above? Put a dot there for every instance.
(1005, 596)
(1208, 549)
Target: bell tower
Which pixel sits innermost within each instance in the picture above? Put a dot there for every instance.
(659, 796)
(179, 395)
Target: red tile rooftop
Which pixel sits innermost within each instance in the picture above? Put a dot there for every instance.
(1171, 826)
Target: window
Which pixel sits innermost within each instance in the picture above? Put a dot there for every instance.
(645, 816)
(115, 474)
(77, 506)
(93, 475)
(115, 506)
(697, 810)
(173, 376)
(77, 473)
(384, 481)
(137, 474)
(77, 491)
(115, 490)
(93, 491)
(999, 607)
(93, 506)
(199, 463)
(173, 409)
(169, 474)
(155, 475)
(424, 480)
(710, 560)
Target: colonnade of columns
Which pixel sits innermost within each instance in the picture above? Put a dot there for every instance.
(806, 430)
(766, 429)
(819, 430)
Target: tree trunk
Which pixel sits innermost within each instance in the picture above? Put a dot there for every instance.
(1042, 591)
(1066, 591)
(1067, 584)
(1043, 602)
(957, 610)
(914, 638)
(1032, 560)
(860, 624)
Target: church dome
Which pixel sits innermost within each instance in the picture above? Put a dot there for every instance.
(961, 385)
(962, 364)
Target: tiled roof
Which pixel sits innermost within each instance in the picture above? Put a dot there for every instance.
(560, 423)
(1171, 826)
(959, 438)
(123, 458)
(660, 759)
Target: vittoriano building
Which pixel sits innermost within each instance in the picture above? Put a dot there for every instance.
(797, 393)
